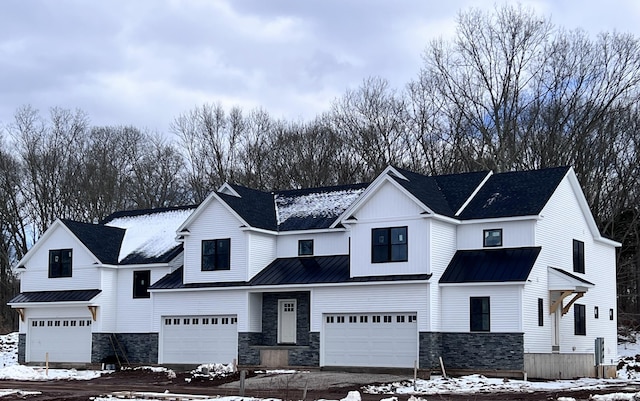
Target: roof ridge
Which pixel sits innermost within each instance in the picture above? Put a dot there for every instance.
(141, 212)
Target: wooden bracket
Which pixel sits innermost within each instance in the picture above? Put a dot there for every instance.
(574, 299)
(554, 306)
(21, 313)
(94, 311)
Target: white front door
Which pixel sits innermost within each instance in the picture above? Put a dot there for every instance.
(287, 321)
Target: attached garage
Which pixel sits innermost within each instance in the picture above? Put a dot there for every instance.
(63, 339)
(199, 339)
(370, 339)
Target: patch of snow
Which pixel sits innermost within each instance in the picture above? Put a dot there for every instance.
(320, 204)
(28, 373)
(150, 235)
(614, 397)
(21, 393)
(213, 370)
(352, 396)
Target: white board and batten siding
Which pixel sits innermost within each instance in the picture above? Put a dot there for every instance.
(215, 222)
(514, 234)
(328, 243)
(504, 305)
(261, 250)
(562, 221)
(377, 213)
(84, 272)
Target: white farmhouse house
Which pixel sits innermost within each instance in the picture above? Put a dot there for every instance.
(490, 272)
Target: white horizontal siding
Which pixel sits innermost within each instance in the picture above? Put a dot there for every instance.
(442, 247)
(371, 298)
(504, 305)
(198, 303)
(84, 273)
(261, 251)
(107, 302)
(514, 234)
(255, 312)
(330, 243)
(215, 222)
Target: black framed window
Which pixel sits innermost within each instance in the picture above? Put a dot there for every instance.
(578, 256)
(216, 254)
(492, 237)
(596, 312)
(389, 245)
(141, 282)
(610, 314)
(540, 312)
(480, 314)
(579, 320)
(305, 247)
(60, 262)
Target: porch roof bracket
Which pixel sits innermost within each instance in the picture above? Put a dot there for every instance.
(553, 307)
(21, 313)
(94, 310)
(566, 308)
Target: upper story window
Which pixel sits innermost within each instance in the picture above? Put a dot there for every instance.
(578, 256)
(480, 316)
(492, 237)
(579, 320)
(141, 281)
(216, 254)
(389, 245)
(305, 247)
(60, 262)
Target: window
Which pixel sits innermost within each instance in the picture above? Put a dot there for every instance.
(578, 256)
(479, 316)
(596, 312)
(492, 237)
(141, 281)
(579, 320)
(389, 245)
(540, 312)
(610, 314)
(60, 263)
(216, 254)
(305, 247)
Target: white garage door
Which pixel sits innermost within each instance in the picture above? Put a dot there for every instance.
(199, 339)
(65, 340)
(371, 339)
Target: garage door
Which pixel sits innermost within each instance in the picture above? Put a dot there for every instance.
(199, 339)
(371, 339)
(66, 340)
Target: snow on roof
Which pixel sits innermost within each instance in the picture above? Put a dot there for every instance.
(319, 204)
(151, 234)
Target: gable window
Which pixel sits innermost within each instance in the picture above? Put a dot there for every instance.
(389, 245)
(305, 247)
(480, 318)
(141, 281)
(540, 312)
(492, 237)
(578, 256)
(216, 254)
(60, 262)
(579, 320)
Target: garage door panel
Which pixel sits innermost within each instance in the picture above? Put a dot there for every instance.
(64, 340)
(384, 339)
(201, 339)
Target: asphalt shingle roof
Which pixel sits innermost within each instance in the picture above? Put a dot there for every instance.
(103, 242)
(490, 265)
(55, 296)
(255, 207)
(518, 193)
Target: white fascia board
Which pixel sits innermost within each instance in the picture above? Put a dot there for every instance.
(43, 239)
(372, 189)
(293, 232)
(199, 210)
(226, 188)
(142, 266)
(608, 241)
(440, 217)
(473, 194)
(502, 219)
(484, 284)
(276, 288)
(26, 305)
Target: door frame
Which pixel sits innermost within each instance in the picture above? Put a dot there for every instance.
(292, 325)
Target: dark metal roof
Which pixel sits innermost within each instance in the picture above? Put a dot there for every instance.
(55, 296)
(518, 193)
(490, 265)
(293, 271)
(103, 241)
(573, 276)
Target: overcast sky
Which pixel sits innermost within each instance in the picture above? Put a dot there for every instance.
(144, 62)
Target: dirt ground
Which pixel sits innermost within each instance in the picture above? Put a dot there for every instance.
(332, 386)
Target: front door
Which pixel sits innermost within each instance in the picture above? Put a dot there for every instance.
(287, 321)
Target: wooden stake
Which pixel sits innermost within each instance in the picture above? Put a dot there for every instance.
(444, 374)
(46, 363)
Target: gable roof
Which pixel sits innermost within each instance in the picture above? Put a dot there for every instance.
(102, 241)
(255, 207)
(490, 265)
(149, 234)
(332, 269)
(517, 193)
